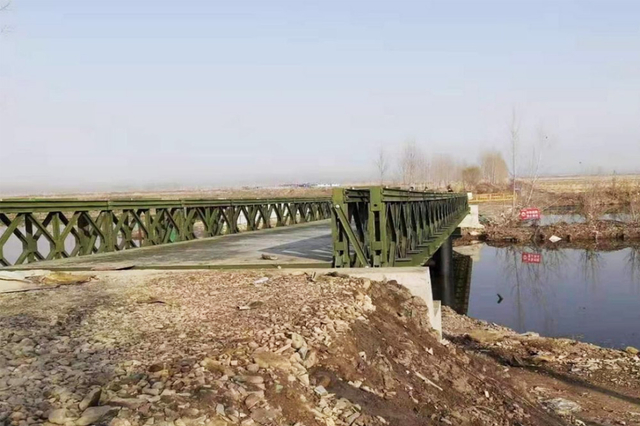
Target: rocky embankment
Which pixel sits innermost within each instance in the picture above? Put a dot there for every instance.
(570, 232)
(249, 348)
(584, 383)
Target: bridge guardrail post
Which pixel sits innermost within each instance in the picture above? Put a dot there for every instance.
(341, 256)
(182, 224)
(107, 229)
(377, 228)
(57, 246)
(150, 238)
(30, 243)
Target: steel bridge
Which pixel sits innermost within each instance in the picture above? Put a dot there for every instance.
(72, 228)
(368, 227)
(379, 227)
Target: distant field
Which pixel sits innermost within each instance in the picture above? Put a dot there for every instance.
(557, 185)
(208, 193)
(565, 184)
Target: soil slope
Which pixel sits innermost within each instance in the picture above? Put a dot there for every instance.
(249, 348)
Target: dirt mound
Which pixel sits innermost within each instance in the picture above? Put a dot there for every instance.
(242, 348)
(412, 379)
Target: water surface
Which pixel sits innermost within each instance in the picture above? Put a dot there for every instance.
(555, 215)
(593, 296)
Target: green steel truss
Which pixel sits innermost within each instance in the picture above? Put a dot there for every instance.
(377, 226)
(52, 229)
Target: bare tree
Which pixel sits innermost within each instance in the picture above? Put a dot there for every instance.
(4, 6)
(494, 168)
(443, 169)
(634, 205)
(458, 167)
(471, 176)
(514, 133)
(541, 143)
(592, 204)
(425, 165)
(382, 164)
(411, 161)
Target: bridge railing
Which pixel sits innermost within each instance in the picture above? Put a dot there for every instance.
(378, 227)
(46, 229)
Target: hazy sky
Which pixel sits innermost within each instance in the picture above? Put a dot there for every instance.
(234, 92)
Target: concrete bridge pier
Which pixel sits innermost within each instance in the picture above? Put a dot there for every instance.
(441, 270)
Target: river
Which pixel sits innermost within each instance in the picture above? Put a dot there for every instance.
(569, 214)
(589, 295)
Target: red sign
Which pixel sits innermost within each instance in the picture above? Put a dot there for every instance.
(530, 214)
(531, 258)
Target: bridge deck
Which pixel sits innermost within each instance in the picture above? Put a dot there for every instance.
(299, 245)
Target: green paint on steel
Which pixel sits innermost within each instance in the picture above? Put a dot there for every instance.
(102, 226)
(351, 236)
(373, 226)
(392, 227)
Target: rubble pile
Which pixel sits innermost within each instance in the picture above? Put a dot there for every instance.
(566, 376)
(242, 348)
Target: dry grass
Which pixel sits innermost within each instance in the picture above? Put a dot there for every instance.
(577, 184)
(215, 193)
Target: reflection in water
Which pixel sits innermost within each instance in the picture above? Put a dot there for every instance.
(591, 262)
(462, 268)
(633, 264)
(582, 293)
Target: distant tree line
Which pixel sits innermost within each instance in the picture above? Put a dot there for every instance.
(417, 169)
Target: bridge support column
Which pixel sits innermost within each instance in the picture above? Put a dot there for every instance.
(442, 273)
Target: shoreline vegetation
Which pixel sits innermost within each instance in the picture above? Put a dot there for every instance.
(595, 232)
(588, 210)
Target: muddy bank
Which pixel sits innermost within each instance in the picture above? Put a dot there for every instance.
(587, 384)
(594, 232)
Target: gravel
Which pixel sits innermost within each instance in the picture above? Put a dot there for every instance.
(170, 348)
